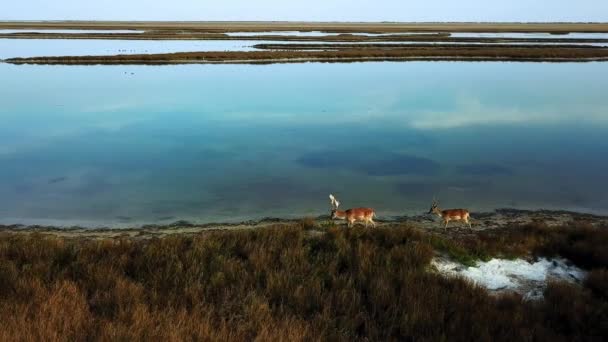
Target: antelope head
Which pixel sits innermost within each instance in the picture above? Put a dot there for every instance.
(434, 207)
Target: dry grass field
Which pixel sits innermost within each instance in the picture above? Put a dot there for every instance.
(474, 53)
(296, 281)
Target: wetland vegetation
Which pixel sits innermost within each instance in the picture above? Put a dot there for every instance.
(453, 53)
(293, 281)
(444, 46)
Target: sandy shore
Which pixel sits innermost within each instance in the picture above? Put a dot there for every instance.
(500, 218)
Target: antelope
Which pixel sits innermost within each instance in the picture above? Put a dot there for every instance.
(352, 215)
(450, 214)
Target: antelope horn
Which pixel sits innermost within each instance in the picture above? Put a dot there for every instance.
(334, 201)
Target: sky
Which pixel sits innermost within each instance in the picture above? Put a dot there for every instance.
(310, 10)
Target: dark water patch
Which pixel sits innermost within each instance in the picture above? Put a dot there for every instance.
(401, 165)
(484, 169)
(124, 218)
(430, 189)
(93, 186)
(323, 160)
(165, 218)
(23, 188)
(370, 162)
(265, 193)
(418, 188)
(169, 208)
(57, 180)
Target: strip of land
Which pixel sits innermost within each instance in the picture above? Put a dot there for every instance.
(488, 221)
(362, 46)
(452, 53)
(169, 35)
(332, 27)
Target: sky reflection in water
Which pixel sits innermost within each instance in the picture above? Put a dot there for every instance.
(126, 145)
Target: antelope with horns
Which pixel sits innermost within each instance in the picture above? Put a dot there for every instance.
(450, 214)
(352, 215)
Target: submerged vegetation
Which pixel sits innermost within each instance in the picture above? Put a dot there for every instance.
(296, 281)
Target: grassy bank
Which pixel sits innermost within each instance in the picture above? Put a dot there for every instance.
(289, 282)
(194, 35)
(519, 53)
(400, 46)
(344, 37)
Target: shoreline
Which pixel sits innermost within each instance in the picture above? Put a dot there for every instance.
(456, 53)
(417, 42)
(345, 38)
(482, 221)
(331, 27)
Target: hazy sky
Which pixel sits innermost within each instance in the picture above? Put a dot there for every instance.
(313, 10)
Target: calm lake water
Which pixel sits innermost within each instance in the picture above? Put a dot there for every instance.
(127, 145)
(6, 31)
(10, 48)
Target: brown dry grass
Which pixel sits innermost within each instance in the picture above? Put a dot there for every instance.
(344, 37)
(279, 283)
(581, 243)
(527, 53)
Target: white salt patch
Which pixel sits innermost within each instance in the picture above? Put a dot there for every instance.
(528, 279)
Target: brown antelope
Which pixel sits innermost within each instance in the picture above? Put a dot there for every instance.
(352, 215)
(450, 214)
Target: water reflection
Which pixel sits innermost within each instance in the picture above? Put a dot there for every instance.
(7, 31)
(10, 48)
(126, 145)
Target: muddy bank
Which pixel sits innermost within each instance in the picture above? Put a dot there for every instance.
(496, 220)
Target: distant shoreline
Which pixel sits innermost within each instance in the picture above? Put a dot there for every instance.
(371, 27)
(440, 45)
(280, 57)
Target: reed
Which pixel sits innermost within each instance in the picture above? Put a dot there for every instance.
(293, 281)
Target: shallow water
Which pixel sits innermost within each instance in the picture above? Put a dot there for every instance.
(7, 31)
(571, 35)
(126, 145)
(10, 48)
(98, 47)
